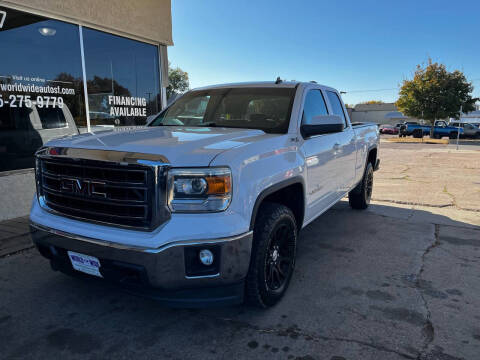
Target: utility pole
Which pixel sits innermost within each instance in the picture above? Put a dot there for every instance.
(458, 130)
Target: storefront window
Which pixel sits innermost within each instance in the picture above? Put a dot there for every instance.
(122, 79)
(41, 89)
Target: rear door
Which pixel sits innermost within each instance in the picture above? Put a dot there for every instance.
(319, 152)
(345, 147)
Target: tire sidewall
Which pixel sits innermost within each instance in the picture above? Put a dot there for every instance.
(262, 239)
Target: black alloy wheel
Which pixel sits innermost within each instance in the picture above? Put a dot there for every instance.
(369, 186)
(360, 196)
(281, 256)
(273, 255)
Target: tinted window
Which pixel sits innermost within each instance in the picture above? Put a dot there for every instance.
(266, 109)
(40, 67)
(336, 105)
(314, 106)
(122, 79)
(52, 118)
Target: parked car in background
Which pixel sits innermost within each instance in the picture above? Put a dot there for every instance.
(204, 205)
(469, 130)
(440, 129)
(402, 127)
(388, 129)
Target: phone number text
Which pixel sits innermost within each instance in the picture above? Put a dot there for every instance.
(26, 101)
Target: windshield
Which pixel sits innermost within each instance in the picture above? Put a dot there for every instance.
(266, 109)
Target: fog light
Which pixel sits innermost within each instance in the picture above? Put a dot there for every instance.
(206, 257)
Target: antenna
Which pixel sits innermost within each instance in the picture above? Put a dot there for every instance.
(278, 81)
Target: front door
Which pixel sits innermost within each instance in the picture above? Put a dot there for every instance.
(346, 152)
(320, 161)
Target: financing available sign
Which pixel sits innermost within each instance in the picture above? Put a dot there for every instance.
(127, 106)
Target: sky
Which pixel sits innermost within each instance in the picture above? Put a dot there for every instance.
(353, 46)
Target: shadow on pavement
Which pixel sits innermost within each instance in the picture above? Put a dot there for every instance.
(386, 283)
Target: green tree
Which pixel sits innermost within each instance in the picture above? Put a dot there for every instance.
(177, 81)
(435, 93)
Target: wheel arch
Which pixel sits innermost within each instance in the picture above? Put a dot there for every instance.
(289, 192)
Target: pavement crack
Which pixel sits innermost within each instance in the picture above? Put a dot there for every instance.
(413, 203)
(428, 330)
(406, 169)
(17, 251)
(454, 200)
(452, 204)
(294, 332)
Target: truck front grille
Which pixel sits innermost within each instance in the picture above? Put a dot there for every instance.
(100, 191)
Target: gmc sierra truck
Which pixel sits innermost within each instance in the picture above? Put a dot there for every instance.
(204, 205)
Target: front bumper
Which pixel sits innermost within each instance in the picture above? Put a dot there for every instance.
(159, 273)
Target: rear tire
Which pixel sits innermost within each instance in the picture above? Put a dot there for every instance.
(273, 255)
(417, 133)
(359, 197)
(453, 135)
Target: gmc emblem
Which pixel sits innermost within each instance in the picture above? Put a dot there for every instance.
(83, 187)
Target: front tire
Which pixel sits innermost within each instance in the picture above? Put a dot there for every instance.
(359, 197)
(273, 255)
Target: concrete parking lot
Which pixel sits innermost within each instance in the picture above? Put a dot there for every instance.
(398, 281)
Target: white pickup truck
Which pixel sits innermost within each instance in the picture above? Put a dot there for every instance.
(204, 205)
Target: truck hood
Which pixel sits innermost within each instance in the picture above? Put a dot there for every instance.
(181, 146)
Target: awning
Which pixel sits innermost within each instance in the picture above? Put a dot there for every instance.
(148, 20)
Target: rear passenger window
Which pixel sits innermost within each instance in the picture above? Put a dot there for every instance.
(314, 106)
(336, 106)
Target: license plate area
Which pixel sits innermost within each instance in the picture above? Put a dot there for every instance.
(85, 263)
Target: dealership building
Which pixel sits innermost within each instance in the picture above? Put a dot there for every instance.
(69, 67)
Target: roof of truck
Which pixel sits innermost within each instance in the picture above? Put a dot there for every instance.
(260, 84)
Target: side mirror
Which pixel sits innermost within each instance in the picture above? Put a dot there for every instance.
(322, 124)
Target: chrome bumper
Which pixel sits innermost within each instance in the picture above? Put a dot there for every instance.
(163, 268)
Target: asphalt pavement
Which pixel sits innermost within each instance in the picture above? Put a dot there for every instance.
(386, 283)
(400, 280)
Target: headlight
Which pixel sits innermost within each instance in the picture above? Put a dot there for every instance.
(199, 190)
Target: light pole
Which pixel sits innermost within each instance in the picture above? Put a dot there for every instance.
(458, 129)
